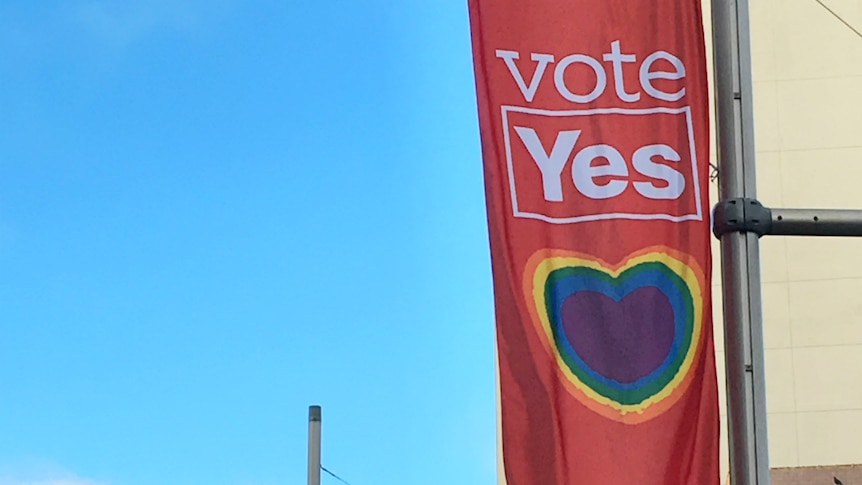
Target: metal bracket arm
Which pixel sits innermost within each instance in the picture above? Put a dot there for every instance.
(749, 215)
(816, 222)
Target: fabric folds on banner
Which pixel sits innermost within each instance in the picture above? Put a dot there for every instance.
(595, 137)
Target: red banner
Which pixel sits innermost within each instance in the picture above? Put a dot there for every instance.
(595, 138)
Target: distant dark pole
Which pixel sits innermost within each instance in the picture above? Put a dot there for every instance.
(314, 425)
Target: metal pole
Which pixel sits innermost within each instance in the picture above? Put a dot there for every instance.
(314, 425)
(740, 258)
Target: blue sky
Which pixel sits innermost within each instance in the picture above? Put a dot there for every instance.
(216, 213)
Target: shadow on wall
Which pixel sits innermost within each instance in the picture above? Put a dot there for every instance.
(816, 475)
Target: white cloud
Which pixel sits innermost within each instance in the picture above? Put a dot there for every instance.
(122, 22)
(36, 35)
(73, 481)
(59, 477)
(39, 471)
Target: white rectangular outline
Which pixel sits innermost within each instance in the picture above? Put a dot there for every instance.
(697, 216)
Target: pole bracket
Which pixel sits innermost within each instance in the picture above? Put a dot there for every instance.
(741, 214)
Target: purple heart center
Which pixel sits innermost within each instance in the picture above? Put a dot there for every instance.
(622, 340)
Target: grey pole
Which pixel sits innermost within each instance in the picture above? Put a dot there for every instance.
(315, 419)
(740, 258)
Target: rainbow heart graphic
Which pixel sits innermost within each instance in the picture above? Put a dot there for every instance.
(624, 336)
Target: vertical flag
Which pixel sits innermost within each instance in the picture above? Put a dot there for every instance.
(595, 131)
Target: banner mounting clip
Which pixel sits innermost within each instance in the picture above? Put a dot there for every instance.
(741, 214)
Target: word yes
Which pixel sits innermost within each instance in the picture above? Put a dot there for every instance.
(584, 173)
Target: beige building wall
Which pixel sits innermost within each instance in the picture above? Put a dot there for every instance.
(807, 70)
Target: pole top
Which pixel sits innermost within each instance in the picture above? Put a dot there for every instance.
(314, 413)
